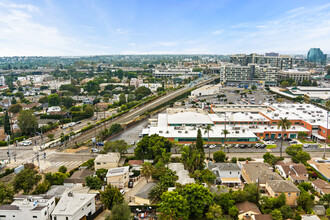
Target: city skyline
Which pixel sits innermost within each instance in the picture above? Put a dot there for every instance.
(79, 28)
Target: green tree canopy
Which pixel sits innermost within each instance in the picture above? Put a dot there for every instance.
(27, 121)
(62, 169)
(6, 124)
(26, 180)
(6, 193)
(174, 206)
(219, 156)
(94, 182)
(122, 99)
(111, 196)
(121, 211)
(119, 146)
(54, 100)
(15, 108)
(92, 86)
(147, 170)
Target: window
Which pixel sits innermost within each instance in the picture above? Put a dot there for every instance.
(289, 194)
(52, 203)
(297, 194)
(229, 172)
(66, 218)
(89, 204)
(2, 216)
(35, 216)
(98, 163)
(275, 194)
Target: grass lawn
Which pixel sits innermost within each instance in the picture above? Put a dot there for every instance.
(271, 146)
(306, 141)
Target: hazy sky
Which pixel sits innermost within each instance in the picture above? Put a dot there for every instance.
(89, 27)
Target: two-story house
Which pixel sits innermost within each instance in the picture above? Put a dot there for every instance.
(228, 174)
(297, 173)
(106, 161)
(276, 187)
(118, 177)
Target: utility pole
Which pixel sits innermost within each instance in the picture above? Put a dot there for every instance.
(326, 135)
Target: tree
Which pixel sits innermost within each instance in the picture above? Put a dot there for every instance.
(143, 91)
(239, 196)
(157, 191)
(253, 87)
(56, 178)
(43, 100)
(115, 128)
(62, 169)
(285, 84)
(51, 136)
(306, 201)
(6, 193)
(226, 202)
(19, 94)
(174, 206)
(252, 192)
(15, 108)
(152, 147)
(147, 170)
(26, 180)
(287, 212)
(101, 173)
(92, 86)
(207, 176)
(121, 211)
(94, 182)
(225, 132)
(119, 146)
(6, 124)
(214, 212)
(120, 73)
(207, 129)
(199, 142)
(89, 111)
(276, 214)
(302, 156)
(219, 156)
(53, 100)
(284, 124)
(198, 197)
(122, 99)
(27, 121)
(233, 212)
(302, 134)
(192, 158)
(67, 101)
(111, 196)
(270, 159)
(42, 188)
(306, 83)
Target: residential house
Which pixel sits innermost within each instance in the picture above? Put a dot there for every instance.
(135, 164)
(276, 187)
(297, 173)
(28, 207)
(118, 177)
(74, 206)
(321, 166)
(53, 109)
(142, 196)
(319, 210)
(183, 174)
(259, 172)
(78, 177)
(247, 209)
(88, 101)
(309, 217)
(228, 174)
(107, 161)
(321, 186)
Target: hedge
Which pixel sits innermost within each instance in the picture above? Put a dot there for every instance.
(45, 116)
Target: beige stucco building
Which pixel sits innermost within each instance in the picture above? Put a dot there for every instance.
(118, 177)
(276, 187)
(107, 161)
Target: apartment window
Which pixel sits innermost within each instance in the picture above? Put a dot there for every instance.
(98, 163)
(89, 204)
(52, 203)
(297, 194)
(66, 218)
(289, 194)
(229, 172)
(275, 194)
(2, 216)
(35, 216)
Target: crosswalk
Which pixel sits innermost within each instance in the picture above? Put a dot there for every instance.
(66, 163)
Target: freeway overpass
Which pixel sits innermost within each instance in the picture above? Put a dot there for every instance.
(87, 135)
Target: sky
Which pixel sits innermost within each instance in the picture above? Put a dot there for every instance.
(105, 27)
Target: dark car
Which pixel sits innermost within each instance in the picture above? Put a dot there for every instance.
(100, 144)
(250, 145)
(263, 146)
(93, 119)
(78, 122)
(257, 145)
(242, 146)
(267, 139)
(288, 139)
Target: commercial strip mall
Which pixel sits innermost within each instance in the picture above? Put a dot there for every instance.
(246, 124)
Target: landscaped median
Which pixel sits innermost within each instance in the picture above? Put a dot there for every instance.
(271, 146)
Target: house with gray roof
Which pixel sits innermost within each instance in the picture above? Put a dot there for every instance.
(142, 196)
(277, 187)
(228, 174)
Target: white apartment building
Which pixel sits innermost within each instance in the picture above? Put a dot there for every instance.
(206, 90)
(152, 86)
(28, 207)
(297, 75)
(2, 81)
(74, 206)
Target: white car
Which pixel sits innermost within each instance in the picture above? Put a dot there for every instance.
(94, 150)
(26, 143)
(72, 124)
(133, 143)
(305, 145)
(122, 191)
(212, 146)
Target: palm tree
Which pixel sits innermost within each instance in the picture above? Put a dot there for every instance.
(284, 124)
(225, 132)
(207, 129)
(147, 170)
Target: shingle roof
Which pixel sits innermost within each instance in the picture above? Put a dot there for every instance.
(296, 171)
(261, 171)
(225, 166)
(144, 192)
(9, 207)
(247, 206)
(322, 185)
(280, 186)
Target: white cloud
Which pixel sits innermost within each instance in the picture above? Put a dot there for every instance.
(217, 32)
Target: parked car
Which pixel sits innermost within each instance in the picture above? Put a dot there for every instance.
(26, 143)
(206, 146)
(122, 191)
(78, 122)
(72, 124)
(242, 146)
(133, 142)
(293, 142)
(94, 150)
(93, 119)
(305, 145)
(212, 146)
(288, 139)
(267, 139)
(263, 146)
(257, 145)
(237, 146)
(140, 135)
(99, 144)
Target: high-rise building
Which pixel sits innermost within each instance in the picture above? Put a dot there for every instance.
(316, 55)
(272, 54)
